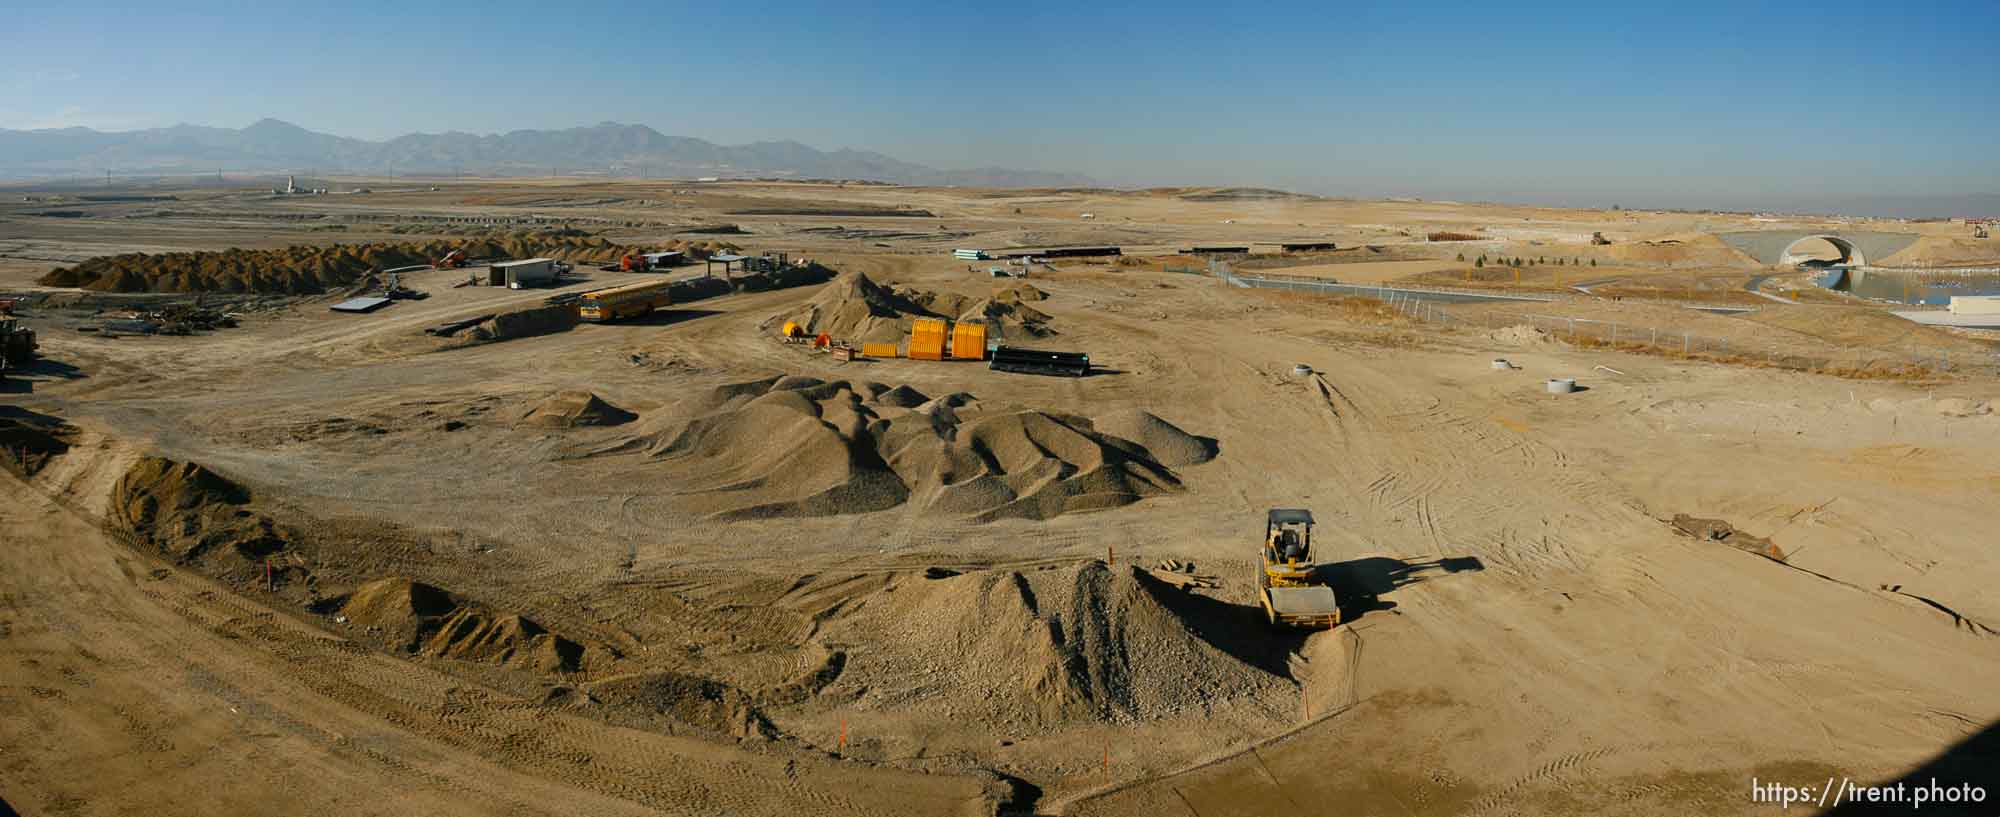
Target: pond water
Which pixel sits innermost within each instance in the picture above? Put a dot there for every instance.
(1929, 288)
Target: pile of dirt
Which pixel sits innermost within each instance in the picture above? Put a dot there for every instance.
(420, 619)
(800, 446)
(663, 701)
(1519, 334)
(855, 308)
(1682, 250)
(191, 514)
(1018, 292)
(527, 322)
(1166, 442)
(1008, 310)
(29, 440)
(1717, 530)
(1962, 407)
(311, 270)
(573, 409)
(1042, 648)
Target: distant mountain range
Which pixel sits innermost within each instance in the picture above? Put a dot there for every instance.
(622, 150)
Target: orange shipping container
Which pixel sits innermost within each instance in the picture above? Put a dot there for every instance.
(927, 339)
(880, 350)
(968, 341)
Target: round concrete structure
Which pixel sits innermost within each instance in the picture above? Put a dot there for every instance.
(1849, 254)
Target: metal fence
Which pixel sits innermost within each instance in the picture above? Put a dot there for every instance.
(1439, 305)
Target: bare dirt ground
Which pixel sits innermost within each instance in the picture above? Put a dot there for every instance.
(326, 562)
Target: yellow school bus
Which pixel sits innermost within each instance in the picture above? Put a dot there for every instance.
(629, 301)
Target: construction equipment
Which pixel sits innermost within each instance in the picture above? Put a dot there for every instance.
(1038, 361)
(451, 260)
(1290, 584)
(968, 341)
(17, 345)
(629, 301)
(927, 338)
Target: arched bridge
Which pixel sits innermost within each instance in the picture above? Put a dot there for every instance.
(1860, 246)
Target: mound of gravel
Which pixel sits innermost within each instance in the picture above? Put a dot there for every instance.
(573, 409)
(854, 307)
(1166, 442)
(424, 620)
(802, 446)
(190, 513)
(1040, 649)
(527, 322)
(671, 699)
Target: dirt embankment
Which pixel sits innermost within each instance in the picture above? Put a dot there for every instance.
(29, 440)
(205, 521)
(856, 308)
(419, 619)
(310, 270)
(800, 446)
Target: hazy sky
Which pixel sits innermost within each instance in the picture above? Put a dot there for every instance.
(1650, 103)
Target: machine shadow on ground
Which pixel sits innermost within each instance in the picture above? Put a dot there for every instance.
(1361, 583)
(1237, 629)
(21, 379)
(1973, 762)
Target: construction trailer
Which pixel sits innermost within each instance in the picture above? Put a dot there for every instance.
(530, 272)
(629, 301)
(1038, 361)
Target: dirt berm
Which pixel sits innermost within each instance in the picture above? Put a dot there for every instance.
(420, 619)
(800, 446)
(571, 409)
(191, 514)
(854, 307)
(311, 270)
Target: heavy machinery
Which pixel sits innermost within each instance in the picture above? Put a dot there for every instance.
(1289, 583)
(17, 345)
(451, 260)
(1038, 361)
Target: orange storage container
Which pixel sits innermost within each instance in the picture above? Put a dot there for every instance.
(968, 341)
(878, 350)
(927, 339)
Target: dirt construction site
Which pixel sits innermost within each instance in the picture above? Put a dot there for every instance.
(463, 554)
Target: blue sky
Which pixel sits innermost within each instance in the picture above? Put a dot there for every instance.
(1567, 102)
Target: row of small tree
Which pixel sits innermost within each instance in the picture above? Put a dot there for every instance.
(1517, 261)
